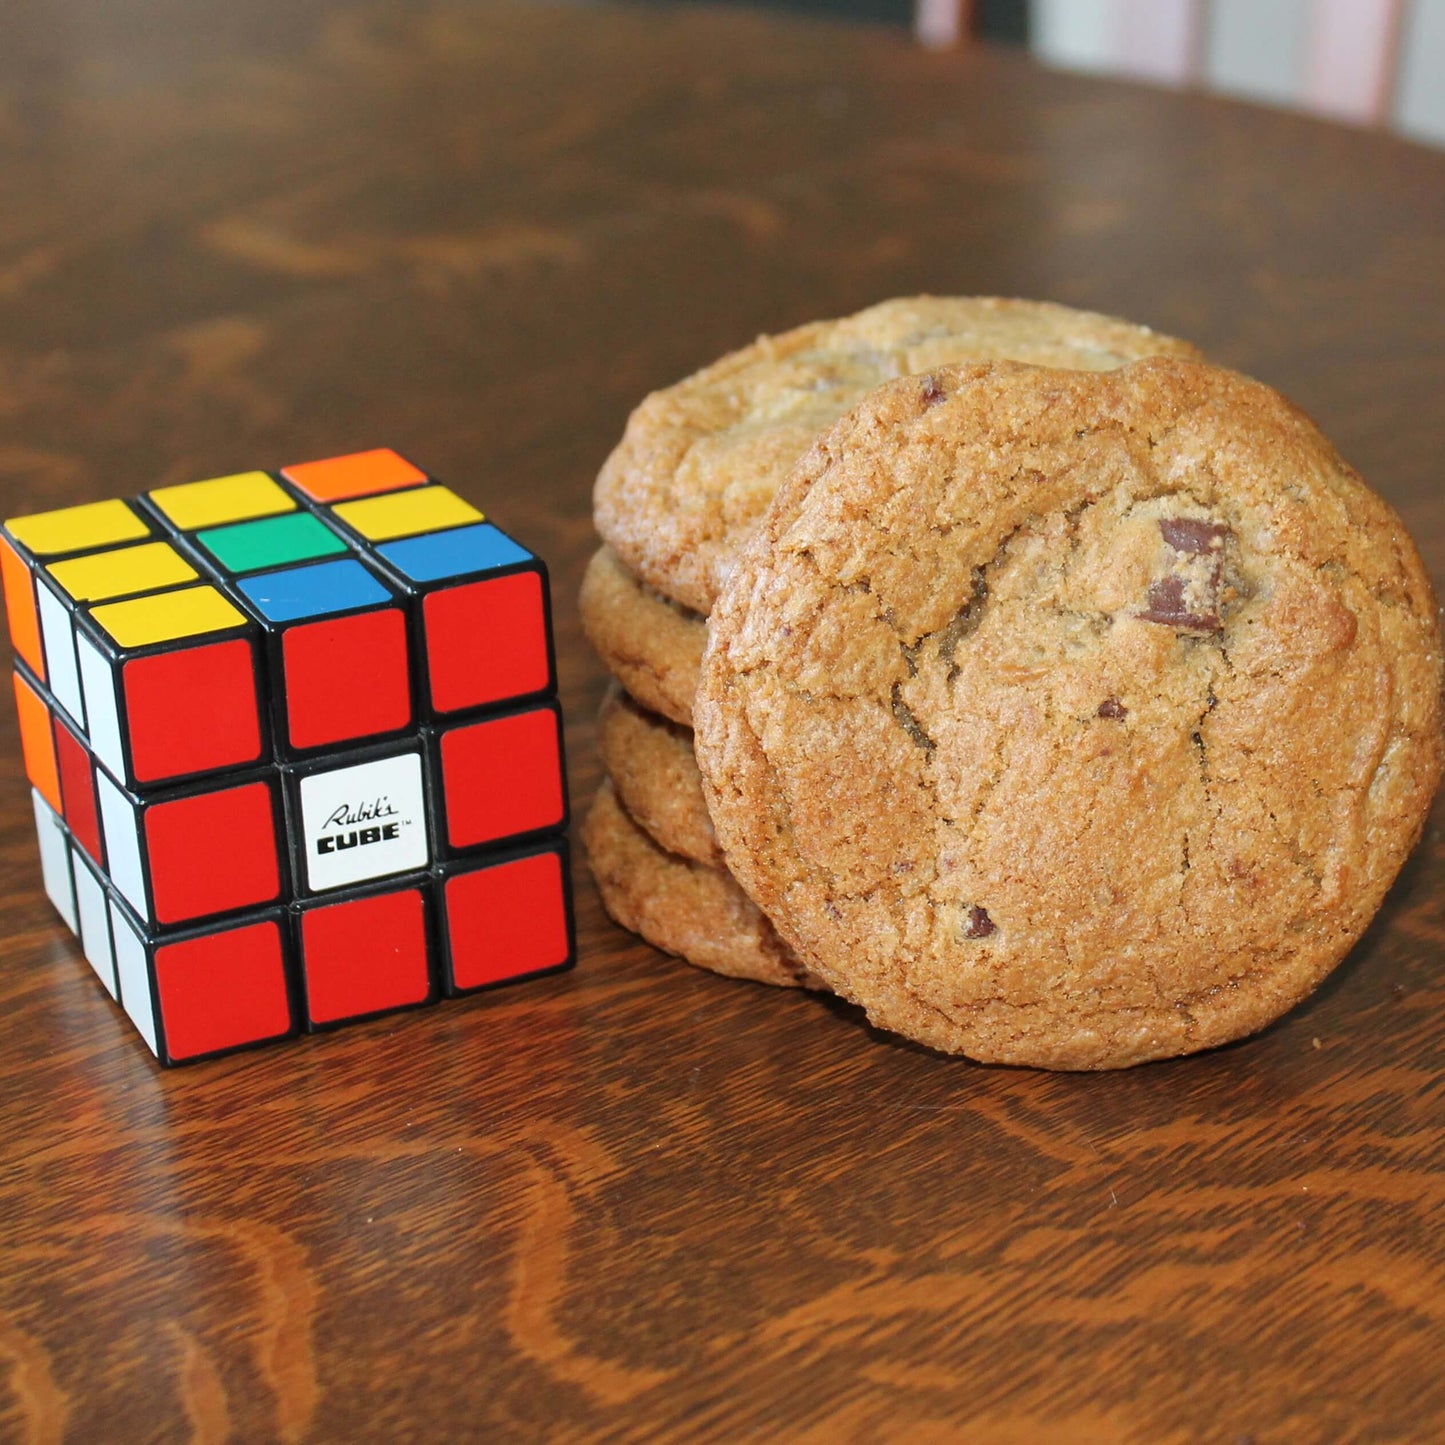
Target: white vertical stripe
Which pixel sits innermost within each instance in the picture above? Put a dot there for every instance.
(1420, 92)
(1156, 39)
(120, 828)
(1075, 34)
(98, 682)
(133, 972)
(57, 635)
(1256, 48)
(54, 861)
(94, 909)
(1153, 39)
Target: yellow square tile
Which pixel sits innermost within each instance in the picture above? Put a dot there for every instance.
(222, 499)
(167, 616)
(147, 568)
(406, 514)
(77, 529)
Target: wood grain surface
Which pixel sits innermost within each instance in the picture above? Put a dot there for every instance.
(638, 1202)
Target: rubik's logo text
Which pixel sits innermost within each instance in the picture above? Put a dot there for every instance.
(294, 747)
(367, 822)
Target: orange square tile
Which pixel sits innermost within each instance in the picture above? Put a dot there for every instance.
(361, 474)
(20, 608)
(37, 742)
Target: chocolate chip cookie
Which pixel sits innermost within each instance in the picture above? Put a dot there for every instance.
(651, 764)
(1072, 720)
(699, 462)
(683, 908)
(653, 646)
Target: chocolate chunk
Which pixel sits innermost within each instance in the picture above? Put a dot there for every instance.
(1188, 598)
(977, 923)
(933, 393)
(1111, 707)
(1193, 535)
(1166, 605)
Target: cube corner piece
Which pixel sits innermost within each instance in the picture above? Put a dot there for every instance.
(294, 748)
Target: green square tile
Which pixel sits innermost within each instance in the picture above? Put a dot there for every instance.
(272, 542)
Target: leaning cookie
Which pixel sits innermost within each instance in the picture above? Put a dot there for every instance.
(652, 646)
(652, 767)
(699, 462)
(1072, 720)
(683, 908)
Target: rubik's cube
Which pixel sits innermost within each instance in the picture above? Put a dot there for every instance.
(294, 748)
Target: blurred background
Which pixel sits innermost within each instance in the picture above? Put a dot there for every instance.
(1374, 62)
(1371, 62)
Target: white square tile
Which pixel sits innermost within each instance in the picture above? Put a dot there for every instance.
(57, 636)
(120, 828)
(94, 910)
(102, 719)
(365, 821)
(133, 974)
(55, 861)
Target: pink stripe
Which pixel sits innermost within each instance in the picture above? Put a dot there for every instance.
(941, 23)
(1350, 58)
(1157, 39)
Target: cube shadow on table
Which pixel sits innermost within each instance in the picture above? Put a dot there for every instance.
(294, 748)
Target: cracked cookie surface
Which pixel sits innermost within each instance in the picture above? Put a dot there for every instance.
(700, 461)
(1071, 720)
(684, 908)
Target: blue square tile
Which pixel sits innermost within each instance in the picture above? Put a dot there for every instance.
(461, 552)
(318, 591)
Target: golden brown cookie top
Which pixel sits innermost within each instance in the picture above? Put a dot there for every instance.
(1072, 720)
(700, 461)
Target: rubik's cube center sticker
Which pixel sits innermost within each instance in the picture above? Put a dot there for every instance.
(365, 821)
(294, 747)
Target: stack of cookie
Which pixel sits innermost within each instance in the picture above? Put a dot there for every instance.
(689, 482)
(1071, 713)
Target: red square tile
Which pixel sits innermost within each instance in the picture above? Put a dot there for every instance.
(346, 677)
(212, 852)
(365, 955)
(223, 990)
(507, 921)
(77, 791)
(192, 710)
(486, 641)
(501, 777)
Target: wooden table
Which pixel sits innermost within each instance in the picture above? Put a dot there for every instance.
(637, 1201)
